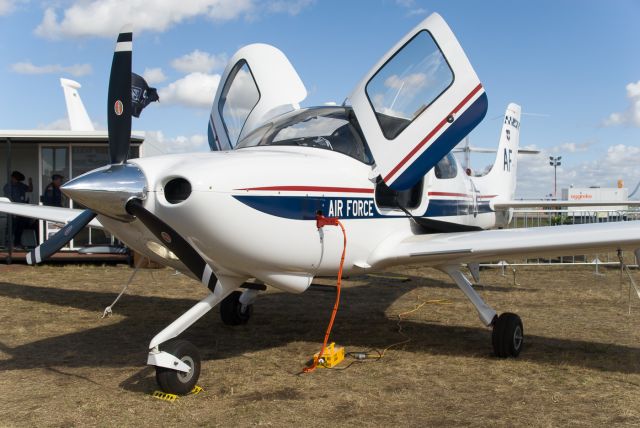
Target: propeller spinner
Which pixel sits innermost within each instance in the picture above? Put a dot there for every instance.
(119, 126)
(119, 189)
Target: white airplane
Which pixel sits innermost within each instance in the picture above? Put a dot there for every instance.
(254, 207)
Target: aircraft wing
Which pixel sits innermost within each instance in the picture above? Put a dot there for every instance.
(487, 245)
(57, 214)
(505, 205)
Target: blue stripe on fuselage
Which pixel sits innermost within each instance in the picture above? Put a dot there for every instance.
(459, 129)
(306, 207)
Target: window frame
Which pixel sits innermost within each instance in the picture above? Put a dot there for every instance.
(350, 119)
(454, 163)
(225, 91)
(366, 91)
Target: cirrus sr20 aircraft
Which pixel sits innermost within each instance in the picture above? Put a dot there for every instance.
(253, 207)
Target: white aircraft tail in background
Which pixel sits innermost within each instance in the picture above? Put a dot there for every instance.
(501, 179)
(78, 117)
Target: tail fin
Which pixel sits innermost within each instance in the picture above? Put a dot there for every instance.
(501, 179)
(78, 117)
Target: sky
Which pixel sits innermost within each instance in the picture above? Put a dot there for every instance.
(573, 66)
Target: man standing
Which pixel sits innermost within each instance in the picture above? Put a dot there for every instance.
(16, 191)
(52, 195)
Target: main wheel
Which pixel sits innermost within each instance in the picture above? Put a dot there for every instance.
(232, 311)
(508, 336)
(174, 381)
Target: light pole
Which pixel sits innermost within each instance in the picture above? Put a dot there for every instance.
(555, 163)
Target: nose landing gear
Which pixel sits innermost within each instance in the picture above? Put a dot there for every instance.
(177, 361)
(175, 381)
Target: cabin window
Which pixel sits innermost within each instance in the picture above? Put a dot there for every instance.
(394, 199)
(239, 96)
(328, 128)
(408, 83)
(446, 168)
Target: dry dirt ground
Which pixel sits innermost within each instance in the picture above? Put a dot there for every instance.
(61, 365)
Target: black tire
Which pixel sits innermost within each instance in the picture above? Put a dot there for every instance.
(231, 311)
(508, 336)
(176, 382)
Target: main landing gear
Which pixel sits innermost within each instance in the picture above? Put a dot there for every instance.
(507, 337)
(237, 307)
(177, 361)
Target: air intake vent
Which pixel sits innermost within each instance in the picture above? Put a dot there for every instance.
(177, 190)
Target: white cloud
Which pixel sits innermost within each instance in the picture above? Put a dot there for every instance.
(78, 19)
(156, 143)
(418, 11)
(535, 175)
(622, 155)
(194, 90)
(572, 147)
(154, 75)
(57, 125)
(631, 116)
(62, 124)
(292, 7)
(410, 83)
(198, 61)
(6, 7)
(27, 67)
(412, 8)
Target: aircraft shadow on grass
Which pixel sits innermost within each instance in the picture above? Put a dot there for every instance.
(280, 319)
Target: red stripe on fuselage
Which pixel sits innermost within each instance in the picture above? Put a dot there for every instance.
(311, 189)
(431, 134)
(462, 195)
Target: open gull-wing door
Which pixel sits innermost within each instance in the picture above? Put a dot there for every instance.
(419, 101)
(258, 84)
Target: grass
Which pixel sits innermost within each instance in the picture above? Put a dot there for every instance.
(62, 365)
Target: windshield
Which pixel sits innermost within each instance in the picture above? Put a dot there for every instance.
(329, 128)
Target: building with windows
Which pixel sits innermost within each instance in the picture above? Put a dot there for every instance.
(39, 154)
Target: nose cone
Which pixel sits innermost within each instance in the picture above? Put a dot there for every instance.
(107, 190)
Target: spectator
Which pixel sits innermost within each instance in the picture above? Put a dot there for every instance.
(52, 195)
(16, 191)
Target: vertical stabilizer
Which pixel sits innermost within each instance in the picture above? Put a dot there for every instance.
(501, 179)
(78, 117)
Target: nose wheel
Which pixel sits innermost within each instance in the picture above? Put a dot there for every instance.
(508, 335)
(175, 381)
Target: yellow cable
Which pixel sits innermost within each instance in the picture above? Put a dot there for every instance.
(400, 319)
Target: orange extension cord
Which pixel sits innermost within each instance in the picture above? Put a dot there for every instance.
(322, 221)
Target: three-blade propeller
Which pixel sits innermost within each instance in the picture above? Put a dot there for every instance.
(99, 183)
(119, 126)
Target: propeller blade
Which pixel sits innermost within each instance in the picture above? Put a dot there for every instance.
(60, 239)
(174, 242)
(119, 98)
